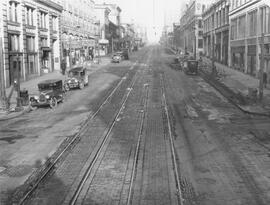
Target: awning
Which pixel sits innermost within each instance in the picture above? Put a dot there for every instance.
(46, 49)
(103, 41)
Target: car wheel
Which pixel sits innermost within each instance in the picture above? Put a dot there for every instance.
(53, 103)
(81, 85)
(66, 87)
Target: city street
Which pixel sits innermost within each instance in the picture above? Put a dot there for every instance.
(139, 133)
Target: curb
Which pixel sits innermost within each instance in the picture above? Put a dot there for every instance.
(16, 114)
(267, 114)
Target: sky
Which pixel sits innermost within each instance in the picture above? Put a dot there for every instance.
(153, 14)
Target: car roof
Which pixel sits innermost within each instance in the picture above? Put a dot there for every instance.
(49, 81)
(79, 68)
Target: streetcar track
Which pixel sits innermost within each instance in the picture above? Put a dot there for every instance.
(138, 145)
(52, 164)
(172, 146)
(100, 148)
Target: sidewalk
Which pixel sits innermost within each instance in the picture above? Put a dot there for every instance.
(240, 82)
(31, 86)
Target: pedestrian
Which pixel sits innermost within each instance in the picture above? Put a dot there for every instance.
(63, 66)
(264, 79)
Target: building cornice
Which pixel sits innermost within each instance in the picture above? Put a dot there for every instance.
(50, 4)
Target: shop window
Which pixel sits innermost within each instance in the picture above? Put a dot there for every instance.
(13, 11)
(13, 42)
(29, 16)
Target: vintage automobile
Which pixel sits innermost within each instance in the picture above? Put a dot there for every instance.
(51, 92)
(191, 67)
(125, 53)
(117, 57)
(77, 78)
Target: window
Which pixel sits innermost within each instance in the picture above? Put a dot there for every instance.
(200, 33)
(265, 19)
(42, 19)
(252, 23)
(44, 42)
(54, 23)
(30, 43)
(242, 26)
(200, 43)
(200, 23)
(29, 19)
(13, 42)
(13, 11)
(233, 29)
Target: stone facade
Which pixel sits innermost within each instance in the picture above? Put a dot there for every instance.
(31, 38)
(190, 30)
(248, 20)
(216, 31)
(80, 31)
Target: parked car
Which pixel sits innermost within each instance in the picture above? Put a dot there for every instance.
(117, 57)
(51, 92)
(191, 67)
(77, 78)
(125, 53)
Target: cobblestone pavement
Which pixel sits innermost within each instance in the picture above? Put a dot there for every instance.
(222, 153)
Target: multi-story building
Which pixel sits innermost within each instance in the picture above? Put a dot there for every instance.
(216, 31)
(102, 13)
(249, 19)
(112, 34)
(79, 30)
(128, 40)
(31, 38)
(191, 27)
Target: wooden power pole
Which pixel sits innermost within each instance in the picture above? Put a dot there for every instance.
(3, 97)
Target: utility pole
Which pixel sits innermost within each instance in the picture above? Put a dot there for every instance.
(18, 82)
(2, 78)
(214, 71)
(195, 43)
(261, 69)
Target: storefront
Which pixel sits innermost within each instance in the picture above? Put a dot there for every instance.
(103, 47)
(238, 58)
(45, 59)
(251, 60)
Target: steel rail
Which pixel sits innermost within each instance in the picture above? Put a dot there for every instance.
(176, 172)
(97, 154)
(84, 125)
(137, 152)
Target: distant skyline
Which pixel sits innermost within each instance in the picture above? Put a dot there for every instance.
(153, 14)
